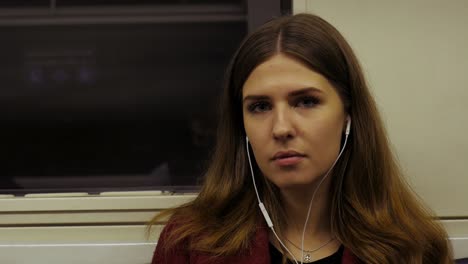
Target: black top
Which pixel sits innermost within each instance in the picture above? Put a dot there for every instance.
(335, 258)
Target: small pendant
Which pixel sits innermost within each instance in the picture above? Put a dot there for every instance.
(307, 258)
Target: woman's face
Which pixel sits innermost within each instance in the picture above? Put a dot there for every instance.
(294, 119)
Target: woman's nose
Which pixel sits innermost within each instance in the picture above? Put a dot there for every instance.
(283, 128)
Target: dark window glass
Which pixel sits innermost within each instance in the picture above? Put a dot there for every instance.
(68, 3)
(141, 2)
(110, 105)
(24, 3)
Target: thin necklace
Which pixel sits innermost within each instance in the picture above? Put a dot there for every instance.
(307, 257)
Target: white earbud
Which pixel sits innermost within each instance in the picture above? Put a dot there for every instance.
(348, 125)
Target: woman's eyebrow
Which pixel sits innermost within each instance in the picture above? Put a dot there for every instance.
(305, 91)
(255, 97)
(295, 93)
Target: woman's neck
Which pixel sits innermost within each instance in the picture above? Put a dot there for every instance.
(296, 203)
(319, 242)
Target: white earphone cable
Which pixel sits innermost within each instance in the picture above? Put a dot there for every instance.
(263, 209)
(313, 195)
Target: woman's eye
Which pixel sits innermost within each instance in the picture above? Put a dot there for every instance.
(259, 107)
(308, 101)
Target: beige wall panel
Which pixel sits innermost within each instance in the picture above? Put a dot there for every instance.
(415, 55)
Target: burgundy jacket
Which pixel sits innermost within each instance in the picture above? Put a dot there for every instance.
(258, 254)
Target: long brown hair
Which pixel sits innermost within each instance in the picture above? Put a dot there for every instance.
(374, 213)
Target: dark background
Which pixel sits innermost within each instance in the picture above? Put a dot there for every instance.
(116, 96)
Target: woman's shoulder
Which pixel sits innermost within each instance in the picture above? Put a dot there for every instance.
(348, 257)
(169, 250)
(170, 233)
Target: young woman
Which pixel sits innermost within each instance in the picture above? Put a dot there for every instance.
(300, 134)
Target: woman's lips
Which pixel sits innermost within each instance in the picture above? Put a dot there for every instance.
(288, 158)
(288, 161)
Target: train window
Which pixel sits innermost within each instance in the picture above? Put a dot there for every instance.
(105, 101)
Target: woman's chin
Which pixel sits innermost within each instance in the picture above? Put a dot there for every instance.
(293, 179)
(294, 183)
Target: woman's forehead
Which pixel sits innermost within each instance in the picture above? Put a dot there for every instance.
(283, 74)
